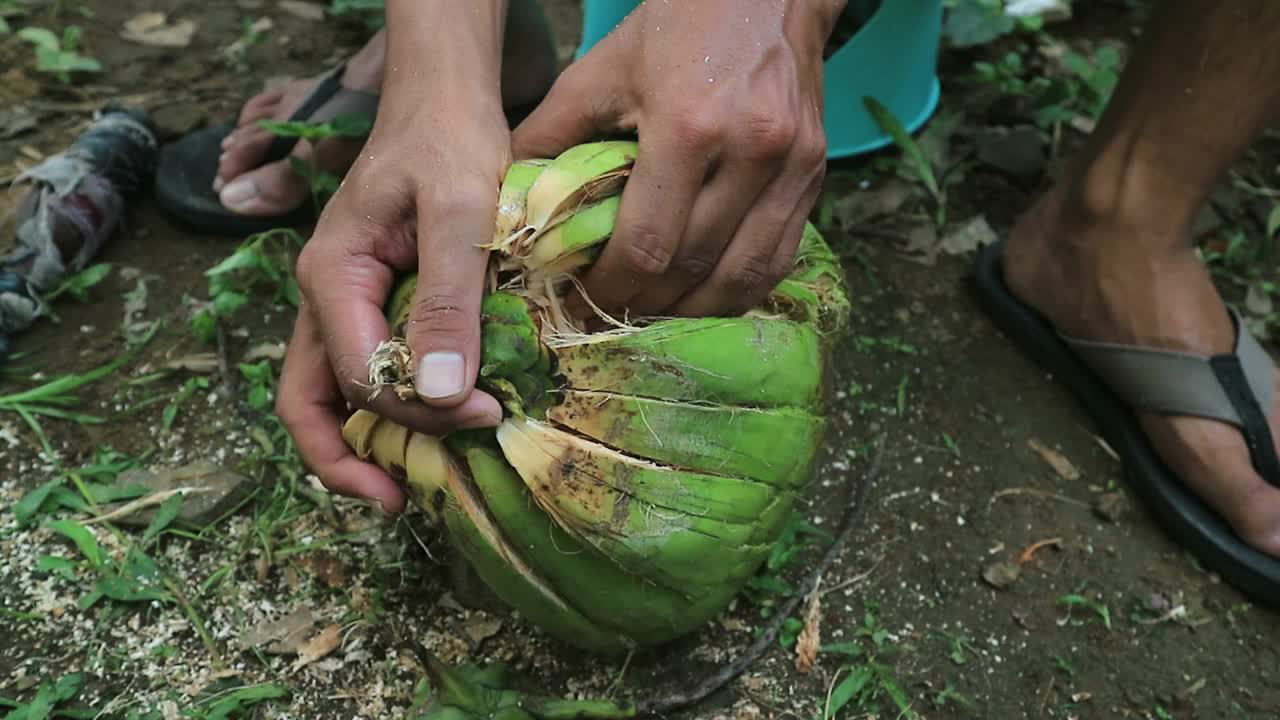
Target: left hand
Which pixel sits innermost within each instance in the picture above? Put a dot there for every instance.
(726, 97)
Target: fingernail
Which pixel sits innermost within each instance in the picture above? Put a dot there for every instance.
(441, 375)
(238, 193)
(226, 141)
(218, 184)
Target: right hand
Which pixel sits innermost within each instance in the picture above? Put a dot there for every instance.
(423, 195)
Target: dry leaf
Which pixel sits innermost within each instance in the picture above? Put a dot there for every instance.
(1060, 464)
(810, 637)
(1258, 301)
(304, 10)
(968, 237)
(320, 645)
(480, 628)
(197, 363)
(154, 29)
(268, 350)
(1001, 574)
(281, 636)
(325, 567)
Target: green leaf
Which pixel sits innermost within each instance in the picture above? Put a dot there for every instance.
(125, 589)
(78, 285)
(82, 538)
(848, 689)
(240, 699)
(32, 502)
(851, 649)
(56, 565)
(890, 124)
(1273, 221)
(40, 37)
(165, 515)
(4, 27)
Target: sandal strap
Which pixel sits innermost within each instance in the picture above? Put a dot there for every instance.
(326, 101)
(1235, 388)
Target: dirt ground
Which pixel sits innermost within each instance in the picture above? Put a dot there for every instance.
(1109, 619)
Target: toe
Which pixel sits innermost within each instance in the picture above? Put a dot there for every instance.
(242, 151)
(263, 105)
(271, 189)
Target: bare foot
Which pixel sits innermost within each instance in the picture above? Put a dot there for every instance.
(1104, 279)
(244, 186)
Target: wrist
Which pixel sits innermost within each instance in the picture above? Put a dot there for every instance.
(444, 50)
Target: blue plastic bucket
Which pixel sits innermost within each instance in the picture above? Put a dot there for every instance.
(893, 58)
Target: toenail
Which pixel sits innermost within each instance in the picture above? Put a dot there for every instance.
(238, 193)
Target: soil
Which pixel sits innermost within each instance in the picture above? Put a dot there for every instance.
(985, 456)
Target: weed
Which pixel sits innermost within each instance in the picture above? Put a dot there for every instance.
(868, 680)
(57, 55)
(263, 259)
(1084, 89)
(322, 184)
(261, 379)
(978, 22)
(950, 696)
(49, 701)
(1072, 600)
(371, 12)
(78, 285)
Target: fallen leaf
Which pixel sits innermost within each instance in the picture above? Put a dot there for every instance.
(154, 29)
(1111, 506)
(810, 637)
(325, 567)
(480, 628)
(304, 10)
(31, 152)
(320, 645)
(1019, 151)
(969, 237)
(282, 636)
(862, 205)
(198, 363)
(1001, 574)
(268, 350)
(1060, 464)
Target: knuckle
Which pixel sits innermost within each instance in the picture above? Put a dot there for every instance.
(648, 252)
(769, 136)
(697, 267)
(440, 310)
(695, 128)
(748, 274)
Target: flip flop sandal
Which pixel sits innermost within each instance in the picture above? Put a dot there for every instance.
(184, 178)
(1111, 379)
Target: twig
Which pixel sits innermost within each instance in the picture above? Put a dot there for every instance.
(144, 502)
(1039, 493)
(1030, 550)
(723, 676)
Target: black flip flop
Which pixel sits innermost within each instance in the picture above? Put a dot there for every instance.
(184, 177)
(1110, 379)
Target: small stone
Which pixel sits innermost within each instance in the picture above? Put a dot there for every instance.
(1001, 574)
(1111, 506)
(1017, 151)
(217, 491)
(178, 119)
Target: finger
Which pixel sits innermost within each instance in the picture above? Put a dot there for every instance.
(762, 251)
(443, 329)
(347, 282)
(306, 403)
(717, 213)
(577, 109)
(657, 201)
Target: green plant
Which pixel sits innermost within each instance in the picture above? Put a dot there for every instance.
(57, 55)
(978, 22)
(49, 701)
(867, 680)
(1084, 89)
(371, 12)
(263, 259)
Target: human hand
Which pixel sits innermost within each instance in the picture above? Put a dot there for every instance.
(726, 97)
(422, 195)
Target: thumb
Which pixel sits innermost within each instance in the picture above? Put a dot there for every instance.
(580, 105)
(443, 330)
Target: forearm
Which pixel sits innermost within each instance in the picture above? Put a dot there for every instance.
(444, 49)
